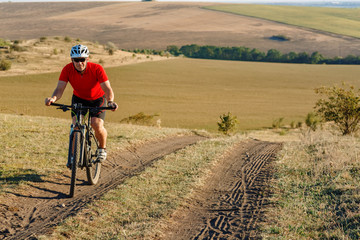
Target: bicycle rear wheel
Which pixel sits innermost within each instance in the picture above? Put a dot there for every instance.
(74, 155)
(93, 167)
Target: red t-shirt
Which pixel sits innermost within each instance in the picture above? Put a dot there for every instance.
(85, 85)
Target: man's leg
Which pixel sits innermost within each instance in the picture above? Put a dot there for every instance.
(101, 135)
(100, 132)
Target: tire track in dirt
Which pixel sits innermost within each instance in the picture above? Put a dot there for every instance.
(232, 203)
(26, 215)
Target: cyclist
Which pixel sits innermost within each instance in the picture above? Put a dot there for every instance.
(91, 87)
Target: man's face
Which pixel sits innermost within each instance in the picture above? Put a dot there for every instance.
(80, 63)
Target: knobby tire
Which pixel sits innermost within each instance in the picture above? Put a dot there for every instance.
(75, 153)
(93, 168)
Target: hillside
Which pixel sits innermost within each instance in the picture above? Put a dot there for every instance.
(173, 180)
(155, 25)
(50, 54)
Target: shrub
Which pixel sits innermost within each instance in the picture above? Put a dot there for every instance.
(278, 123)
(17, 48)
(67, 39)
(312, 121)
(5, 65)
(43, 39)
(342, 106)
(4, 43)
(140, 118)
(110, 48)
(227, 123)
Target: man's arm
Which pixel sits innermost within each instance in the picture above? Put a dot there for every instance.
(57, 94)
(109, 94)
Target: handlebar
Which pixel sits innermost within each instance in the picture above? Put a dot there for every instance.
(79, 107)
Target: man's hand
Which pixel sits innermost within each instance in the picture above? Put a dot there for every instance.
(113, 105)
(49, 100)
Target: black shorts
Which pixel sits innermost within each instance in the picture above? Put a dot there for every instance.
(100, 102)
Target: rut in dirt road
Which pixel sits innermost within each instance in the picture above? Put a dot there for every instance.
(27, 215)
(232, 203)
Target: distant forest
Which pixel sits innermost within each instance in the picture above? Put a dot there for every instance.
(247, 54)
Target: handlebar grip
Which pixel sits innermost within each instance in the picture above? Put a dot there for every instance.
(56, 104)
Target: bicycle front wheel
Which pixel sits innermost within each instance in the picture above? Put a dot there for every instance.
(74, 155)
(93, 167)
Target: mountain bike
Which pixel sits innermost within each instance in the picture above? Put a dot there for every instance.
(83, 145)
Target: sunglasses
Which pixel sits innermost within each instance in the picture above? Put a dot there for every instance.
(79, 59)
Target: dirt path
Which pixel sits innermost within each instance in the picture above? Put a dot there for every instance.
(229, 206)
(44, 204)
(232, 203)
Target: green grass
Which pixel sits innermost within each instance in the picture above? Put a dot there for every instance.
(192, 93)
(345, 21)
(316, 189)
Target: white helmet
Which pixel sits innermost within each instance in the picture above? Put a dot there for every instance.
(79, 51)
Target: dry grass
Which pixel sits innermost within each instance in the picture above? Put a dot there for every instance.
(36, 147)
(50, 54)
(134, 209)
(191, 93)
(317, 189)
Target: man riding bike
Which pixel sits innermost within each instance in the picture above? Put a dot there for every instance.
(91, 87)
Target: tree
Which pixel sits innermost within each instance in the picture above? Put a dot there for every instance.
(227, 123)
(174, 50)
(273, 55)
(190, 50)
(342, 106)
(316, 57)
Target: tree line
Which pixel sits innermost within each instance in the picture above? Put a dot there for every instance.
(247, 54)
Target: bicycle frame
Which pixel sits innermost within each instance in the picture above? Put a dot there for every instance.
(81, 153)
(82, 126)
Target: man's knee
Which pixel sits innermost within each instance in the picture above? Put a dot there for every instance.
(97, 123)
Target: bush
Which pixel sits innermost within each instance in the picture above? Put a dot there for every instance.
(312, 121)
(342, 106)
(140, 118)
(227, 124)
(278, 123)
(110, 48)
(5, 65)
(17, 48)
(4, 43)
(67, 39)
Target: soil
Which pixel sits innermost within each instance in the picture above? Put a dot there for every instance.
(156, 25)
(229, 206)
(39, 206)
(232, 203)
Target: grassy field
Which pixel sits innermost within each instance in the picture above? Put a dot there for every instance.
(319, 170)
(316, 189)
(343, 21)
(191, 93)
